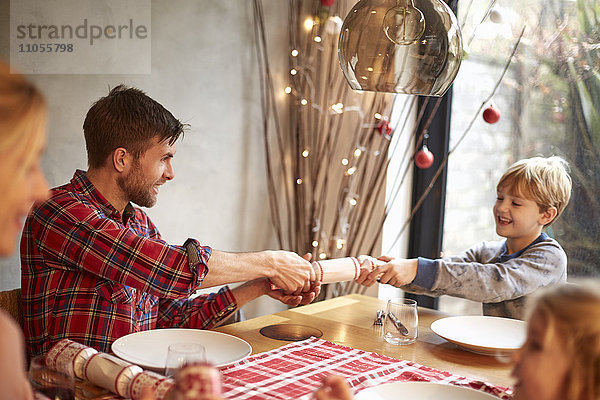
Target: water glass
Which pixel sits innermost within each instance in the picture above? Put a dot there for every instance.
(180, 354)
(56, 385)
(401, 321)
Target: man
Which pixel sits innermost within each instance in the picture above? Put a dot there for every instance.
(94, 268)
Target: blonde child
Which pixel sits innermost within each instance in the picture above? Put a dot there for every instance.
(561, 356)
(531, 194)
(560, 359)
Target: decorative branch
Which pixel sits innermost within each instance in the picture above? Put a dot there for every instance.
(459, 141)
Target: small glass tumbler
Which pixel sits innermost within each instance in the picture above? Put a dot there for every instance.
(180, 354)
(401, 321)
(56, 385)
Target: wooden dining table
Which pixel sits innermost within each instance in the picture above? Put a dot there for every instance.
(348, 321)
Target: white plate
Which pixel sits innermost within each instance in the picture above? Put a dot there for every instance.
(484, 335)
(421, 391)
(148, 349)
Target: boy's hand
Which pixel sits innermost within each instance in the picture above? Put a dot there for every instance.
(148, 394)
(363, 278)
(334, 387)
(396, 272)
(367, 265)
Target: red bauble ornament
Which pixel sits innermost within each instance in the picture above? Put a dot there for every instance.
(558, 115)
(327, 3)
(491, 115)
(385, 129)
(424, 158)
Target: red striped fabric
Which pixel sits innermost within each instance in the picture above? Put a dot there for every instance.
(295, 371)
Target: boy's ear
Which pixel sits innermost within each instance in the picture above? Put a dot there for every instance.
(548, 216)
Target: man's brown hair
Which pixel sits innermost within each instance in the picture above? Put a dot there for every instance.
(126, 118)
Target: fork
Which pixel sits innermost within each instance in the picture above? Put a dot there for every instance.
(379, 318)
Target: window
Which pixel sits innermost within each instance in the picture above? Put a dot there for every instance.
(548, 101)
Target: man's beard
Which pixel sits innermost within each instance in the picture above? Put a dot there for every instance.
(136, 188)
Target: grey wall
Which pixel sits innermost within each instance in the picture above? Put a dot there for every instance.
(204, 70)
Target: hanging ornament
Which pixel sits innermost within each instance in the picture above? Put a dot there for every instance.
(327, 3)
(333, 26)
(496, 16)
(423, 35)
(491, 115)
(424, 158)
(558, 114)
(385, 129)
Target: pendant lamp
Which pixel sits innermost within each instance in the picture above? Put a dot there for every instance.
(400, 46)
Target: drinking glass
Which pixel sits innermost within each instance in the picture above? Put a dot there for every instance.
(180, 354)
(401, 321)
(56, 385)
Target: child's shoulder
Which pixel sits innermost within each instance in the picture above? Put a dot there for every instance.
(546, 250)
(545, 242)
(551, 245)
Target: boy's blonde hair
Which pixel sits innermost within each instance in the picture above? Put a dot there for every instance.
(543, 180)
(572, 315)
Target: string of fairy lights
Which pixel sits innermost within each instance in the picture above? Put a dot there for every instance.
(320, 113)
(319, 31)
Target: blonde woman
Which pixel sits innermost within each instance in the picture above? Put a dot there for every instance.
(22, 140)
(560, 360)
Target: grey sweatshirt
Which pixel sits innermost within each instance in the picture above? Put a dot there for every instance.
(487, 274)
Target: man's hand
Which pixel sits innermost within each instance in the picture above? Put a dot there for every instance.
(334, 387)
(290, 272)
(363, 278)
(285, 269)
(396, 272)
(295, 299)
(253, 289)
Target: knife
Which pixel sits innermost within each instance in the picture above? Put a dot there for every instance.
(398, 324)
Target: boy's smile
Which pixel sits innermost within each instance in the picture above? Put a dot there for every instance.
(503, 221)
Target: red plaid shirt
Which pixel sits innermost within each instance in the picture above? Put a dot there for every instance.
(92, 275)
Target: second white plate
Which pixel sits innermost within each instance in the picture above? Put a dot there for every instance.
(421, 391)
(484, 335)
(148, 349)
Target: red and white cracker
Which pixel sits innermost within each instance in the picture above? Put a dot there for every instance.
(69, 357)
(160, 385)
(110, 372)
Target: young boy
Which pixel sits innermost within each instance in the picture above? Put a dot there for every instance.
(532, 193)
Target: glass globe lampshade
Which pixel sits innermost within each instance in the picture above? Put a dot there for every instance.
(400, 46)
